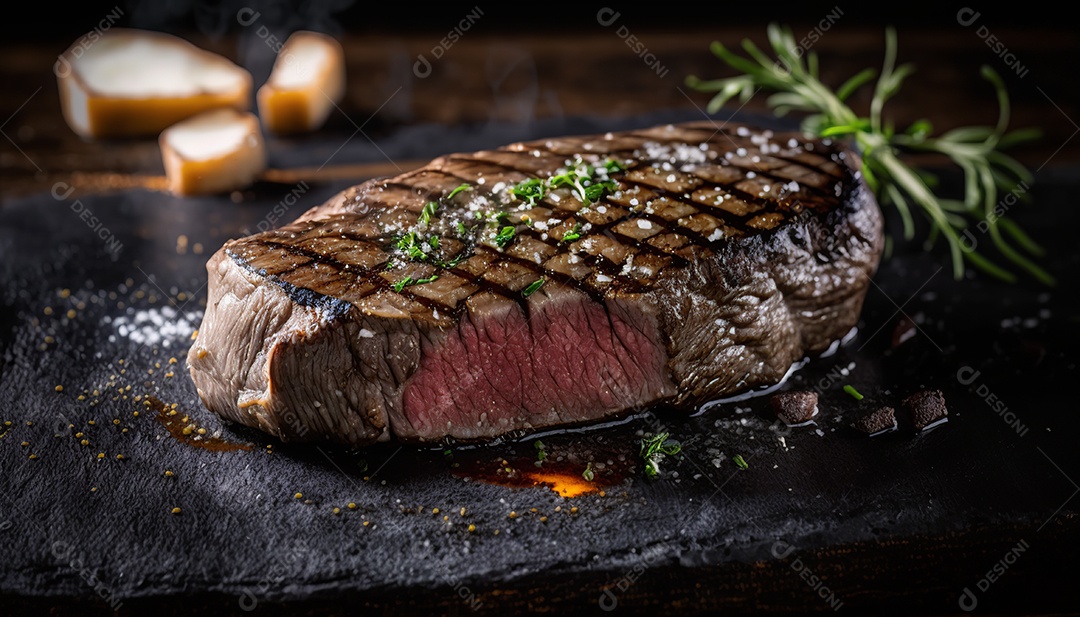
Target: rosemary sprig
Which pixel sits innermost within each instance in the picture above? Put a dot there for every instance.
(976, 150)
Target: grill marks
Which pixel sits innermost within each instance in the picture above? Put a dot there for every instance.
(662, 216)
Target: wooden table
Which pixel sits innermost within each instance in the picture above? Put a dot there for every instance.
(515, 78)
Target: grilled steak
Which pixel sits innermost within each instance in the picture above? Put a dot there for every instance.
(546, 283)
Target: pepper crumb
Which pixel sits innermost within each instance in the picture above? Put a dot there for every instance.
(25, 443)
(84, 442)
(574, 510)
(543, 519)
(169, 473)
(33, 457)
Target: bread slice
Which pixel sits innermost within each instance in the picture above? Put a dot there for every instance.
(214, 152)
(308, 79)
(134, 82)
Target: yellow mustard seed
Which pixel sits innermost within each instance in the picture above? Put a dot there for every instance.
(352, 506)
(472, 528)
(101, 455)
(176, 510)
(299, 496)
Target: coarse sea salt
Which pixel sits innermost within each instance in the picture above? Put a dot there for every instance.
(164, 326)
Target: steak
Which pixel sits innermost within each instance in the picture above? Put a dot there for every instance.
(545, 283)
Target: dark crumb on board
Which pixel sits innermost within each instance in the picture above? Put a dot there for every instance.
(903, 331)
(927, 408)
(878, 421)
(795, 407)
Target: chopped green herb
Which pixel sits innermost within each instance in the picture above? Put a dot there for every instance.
(654, 449)
(456, 260)
(588, 474)
(541, 452)
(410, 245)
(529, 191)
(433, 242)
(533, 286)
(460, 188)
(461, 229)
(740, 462)
(505, 235)
(572, 235)
(596, 191)
(613, 166)
(409, 281)
(402, 284)
(853, 392)
(428, 211)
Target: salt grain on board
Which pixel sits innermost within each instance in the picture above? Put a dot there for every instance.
(164, 326)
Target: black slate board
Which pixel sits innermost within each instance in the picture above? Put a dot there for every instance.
(90, 534)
